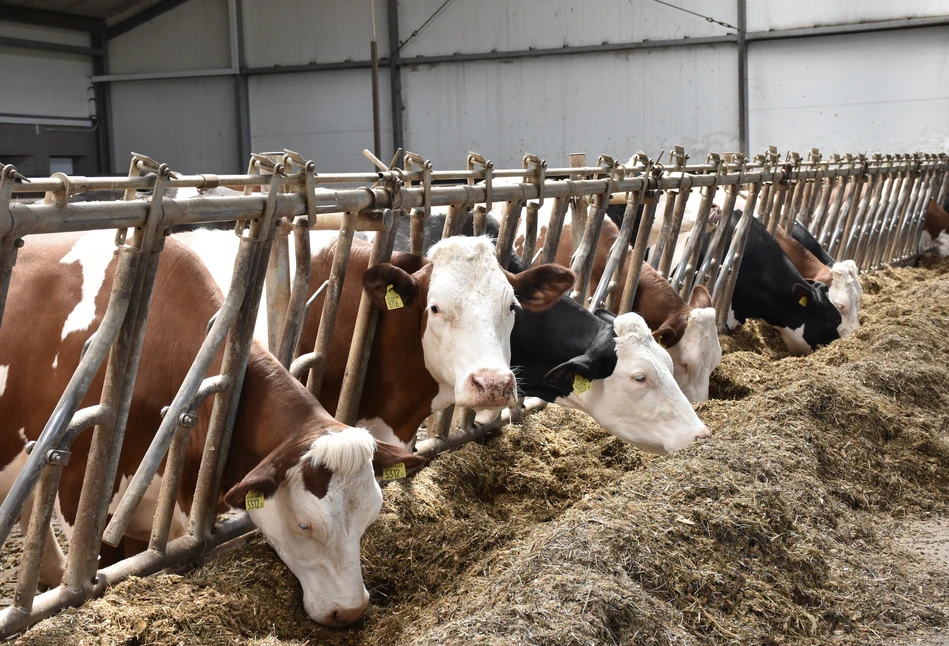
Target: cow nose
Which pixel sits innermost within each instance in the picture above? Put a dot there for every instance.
(703, 432)
(346, 616)
(492, 387)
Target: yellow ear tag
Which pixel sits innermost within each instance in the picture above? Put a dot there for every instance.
(254, 500)
(580, 384)
(393, 300)
(803, 301)
(394, 472)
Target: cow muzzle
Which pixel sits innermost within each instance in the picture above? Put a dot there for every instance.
(488, 388)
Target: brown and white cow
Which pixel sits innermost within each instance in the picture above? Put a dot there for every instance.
(686, 330)
(316, 474)
(937, 226)
(449, 341)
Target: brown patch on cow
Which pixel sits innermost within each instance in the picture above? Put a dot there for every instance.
(806, 263)
(937, 220)
(538, 288)
(316, 479)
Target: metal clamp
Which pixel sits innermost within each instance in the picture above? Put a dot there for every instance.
(540, 174)
(414, 159)
(488, 168)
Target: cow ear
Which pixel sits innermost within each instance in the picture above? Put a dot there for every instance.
(263, 479)
(665, 335)
(565, 377)
(700, 298)
(538, 288)
(802, 294)
(388, 456)
(388, 286)
(605, 315)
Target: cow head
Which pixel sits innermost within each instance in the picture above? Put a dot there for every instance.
(819, 318)
(698, 352)
(638, 400)
(845, 293)
(313, 498)
(466, 305)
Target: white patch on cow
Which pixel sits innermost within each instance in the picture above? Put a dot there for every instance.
(4, 372)
(730, 321)
(845, 292)
(652, 414)
(56, 361)
(90, 251)
(467, 341)
(318, 538)
(381, 431)
(140, 524)
(218, 250)
(696, 354)
(21, 433)
(794, 340)
(942, 244)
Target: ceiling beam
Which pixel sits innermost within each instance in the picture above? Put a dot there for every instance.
(142, 17)
(46, 18)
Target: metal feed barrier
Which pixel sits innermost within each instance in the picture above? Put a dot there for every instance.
(868, 209)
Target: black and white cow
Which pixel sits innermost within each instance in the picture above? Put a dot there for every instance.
(769, 287)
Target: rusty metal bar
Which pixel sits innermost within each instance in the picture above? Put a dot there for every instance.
(278, 286)
(725, 284)
(510, 215)
(583, 257)
(614, 263)
(685, 273)
(639, 248)
(296, 306)
(530, 231)
(554, 228)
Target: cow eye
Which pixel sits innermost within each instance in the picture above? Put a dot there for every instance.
(304, 526)
(434, 309)
(640, 377)
(513, 307)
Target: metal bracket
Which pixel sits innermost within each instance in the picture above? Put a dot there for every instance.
(540, 172)
(414, 159)
(58, 457)
(488, 168)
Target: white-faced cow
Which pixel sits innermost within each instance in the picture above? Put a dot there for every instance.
(317, 475)
(614, 370)
(447, 341)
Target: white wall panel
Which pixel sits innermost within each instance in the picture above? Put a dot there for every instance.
(764, 15)
(506, 25)
(191, 124)
(46, 83)
(324, 116)
(890, 97)
(553, 106)
(192, 36)
(297, 32)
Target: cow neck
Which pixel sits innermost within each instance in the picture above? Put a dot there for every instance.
(567, 322)
(657, 302)
(274, 407)
(399, 388)
(804, 260)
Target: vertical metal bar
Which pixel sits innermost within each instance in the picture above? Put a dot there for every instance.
(453, 221)
(604, 296)
(819, 209)
(334, 291)
(103, 103)
(278, 287)
(530, 231)
(889, 217)
(832, 213)
(364, 333)
(910, 240)
(685, 274)
(395, 74)
(582, 263)
(639, 248)
(878, 210)
(417, 232)
(578, 203)
(37, 537)
(8, 244)
(725, 285)
(743, 131)
(672, 236)
(376, 116)
(708, 272)
(510, 215)
(233, 368)
(910, 195)
(667, 217)
(296, 307)
(857, 230)
(779, 193)
(554, 229)
(240, 82)
(479, 220)
(167, 497)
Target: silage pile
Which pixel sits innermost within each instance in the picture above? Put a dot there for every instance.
(775, 531)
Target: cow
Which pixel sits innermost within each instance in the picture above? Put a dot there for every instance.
(444, 339)
(937, 226)
(312, 478)
(841, 279)
(770, 287)
(550, 349)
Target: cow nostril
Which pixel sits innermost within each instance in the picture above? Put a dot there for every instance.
(479, 383)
